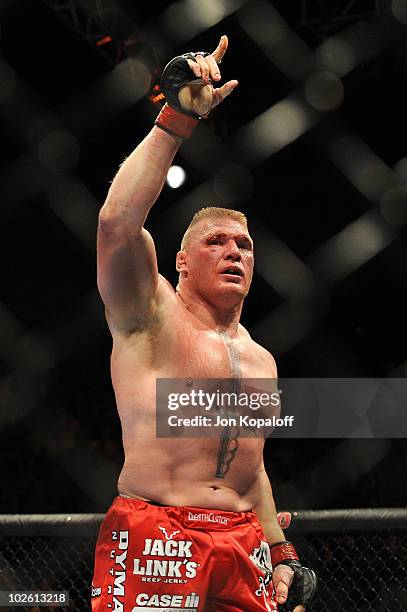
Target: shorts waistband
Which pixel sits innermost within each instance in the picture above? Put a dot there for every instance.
(191, 517)
(205, 518)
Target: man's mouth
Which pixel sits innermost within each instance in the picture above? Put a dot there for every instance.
(233, 271)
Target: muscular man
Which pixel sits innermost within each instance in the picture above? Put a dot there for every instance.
(190, 527)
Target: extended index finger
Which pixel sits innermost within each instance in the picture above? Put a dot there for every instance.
(220, 49)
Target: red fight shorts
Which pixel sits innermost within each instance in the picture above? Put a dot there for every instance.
(179, 559)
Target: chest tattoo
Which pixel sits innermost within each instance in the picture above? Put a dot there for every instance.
(229, 439)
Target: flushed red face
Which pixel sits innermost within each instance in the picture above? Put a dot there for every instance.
(219, 260)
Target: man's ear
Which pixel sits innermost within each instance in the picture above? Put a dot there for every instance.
(181, 262)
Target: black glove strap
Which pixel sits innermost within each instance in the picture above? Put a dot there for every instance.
(176, 74)
(303, 586)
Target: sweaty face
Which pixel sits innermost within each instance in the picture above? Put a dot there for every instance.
(219, 259)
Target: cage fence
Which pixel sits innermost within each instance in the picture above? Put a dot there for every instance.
(359, 555)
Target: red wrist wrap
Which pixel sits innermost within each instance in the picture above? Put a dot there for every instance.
(282, 551)
(175, 123)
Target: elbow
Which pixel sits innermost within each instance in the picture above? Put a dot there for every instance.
(111, 213)
(109, 221)
(117, 223)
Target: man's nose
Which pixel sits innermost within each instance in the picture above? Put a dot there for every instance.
(232, 251)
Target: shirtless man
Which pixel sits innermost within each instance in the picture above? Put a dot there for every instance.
(190, 527)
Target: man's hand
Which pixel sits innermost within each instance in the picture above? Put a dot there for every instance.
(282, 578)
(202, 97)
(293, 583)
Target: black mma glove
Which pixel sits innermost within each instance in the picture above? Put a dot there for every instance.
(304, 583)
(174, 119)
(177, 73)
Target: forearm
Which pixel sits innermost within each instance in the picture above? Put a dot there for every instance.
(266, 511)
(140, 179)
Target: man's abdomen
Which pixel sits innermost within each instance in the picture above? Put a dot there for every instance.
(183, 472)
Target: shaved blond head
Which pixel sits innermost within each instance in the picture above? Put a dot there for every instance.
(214, 212)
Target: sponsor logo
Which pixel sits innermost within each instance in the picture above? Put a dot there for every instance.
(118, 571)
(174, 570)
(209, 517)
(168, 537)
(188, 602)
(171, 548)
(96, 591)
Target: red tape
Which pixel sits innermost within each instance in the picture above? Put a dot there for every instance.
(282, 551)
(176, 123)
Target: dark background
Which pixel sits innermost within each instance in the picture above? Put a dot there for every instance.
(71, 109)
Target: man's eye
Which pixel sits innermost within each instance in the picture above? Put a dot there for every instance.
(245, 245)
(214, 241)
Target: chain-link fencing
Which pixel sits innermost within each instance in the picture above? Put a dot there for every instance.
(360, 557)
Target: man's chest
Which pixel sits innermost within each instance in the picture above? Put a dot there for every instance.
(203, 354)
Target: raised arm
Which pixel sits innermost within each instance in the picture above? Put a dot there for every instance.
(127, 265)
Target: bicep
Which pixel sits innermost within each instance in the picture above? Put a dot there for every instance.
(127, 275)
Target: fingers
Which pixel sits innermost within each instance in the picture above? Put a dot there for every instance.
(205, 68)
(201, 61)
(214, 71)
(220, 49)
(282, 578)
(223, 92)
(195, 67)
(209, 64)
(281, 592)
